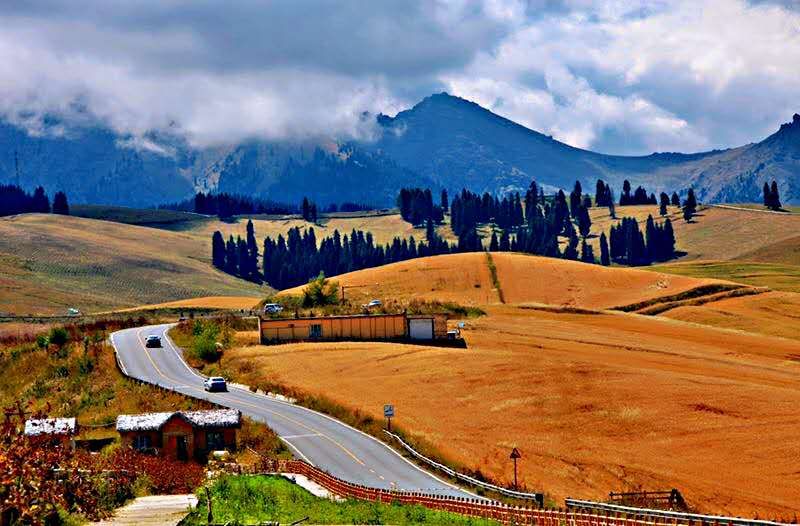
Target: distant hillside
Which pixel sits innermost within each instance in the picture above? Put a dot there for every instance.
(49, 263)
(442, 142)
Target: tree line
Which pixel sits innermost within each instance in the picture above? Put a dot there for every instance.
(15, 200)
(417, 207)
(532, 225)
(293, 260)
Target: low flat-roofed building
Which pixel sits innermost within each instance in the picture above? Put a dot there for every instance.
(67, 427)
(375, 327)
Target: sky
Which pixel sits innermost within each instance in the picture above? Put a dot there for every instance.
(614, 76)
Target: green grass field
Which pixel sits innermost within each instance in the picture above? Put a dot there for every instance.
(257, 499)
(168, 219)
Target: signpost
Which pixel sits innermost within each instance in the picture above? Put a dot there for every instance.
(388, 412)
(515, 454)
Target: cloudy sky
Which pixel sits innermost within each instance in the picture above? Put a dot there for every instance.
(615, 76)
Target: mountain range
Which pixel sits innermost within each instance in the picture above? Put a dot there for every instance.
(442, 142)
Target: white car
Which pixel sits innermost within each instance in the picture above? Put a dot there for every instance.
(373, 304)
(272, 308)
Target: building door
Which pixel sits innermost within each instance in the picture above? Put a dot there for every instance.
(181, 448)
(421, 329)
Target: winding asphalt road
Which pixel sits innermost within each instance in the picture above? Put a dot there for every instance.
(319, 439)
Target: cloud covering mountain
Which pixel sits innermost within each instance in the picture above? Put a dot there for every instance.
(619, 77)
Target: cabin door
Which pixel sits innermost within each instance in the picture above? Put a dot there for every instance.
(181, 447)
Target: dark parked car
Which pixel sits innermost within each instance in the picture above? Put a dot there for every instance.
(215, 383)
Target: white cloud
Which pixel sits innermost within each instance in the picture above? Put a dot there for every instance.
(614, 75)
(634, 78)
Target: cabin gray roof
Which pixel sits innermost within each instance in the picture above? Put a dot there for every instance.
(50, 426)
(154, 421)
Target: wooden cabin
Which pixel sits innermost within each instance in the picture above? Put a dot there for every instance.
(182, 435)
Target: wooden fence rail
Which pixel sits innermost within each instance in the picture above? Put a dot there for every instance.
(505, 514)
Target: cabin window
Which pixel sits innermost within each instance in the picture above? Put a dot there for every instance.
(215, 440)
(315, 331)
(141, 442)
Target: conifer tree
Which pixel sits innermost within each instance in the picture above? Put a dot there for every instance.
(505, 241)
(663, 204)
(444, 202)
(218, 250)
(775, 198)
(584, 221)
(689, 206)
(675, 200)
(605, 260)
(231, 257)
(625, 197)
(571, 252)
(60, 205)
(40, 203)
(587, 253)
(575, 199)
(494, 246)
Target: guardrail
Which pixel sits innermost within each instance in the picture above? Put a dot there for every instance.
(536, 497)
(671, 516)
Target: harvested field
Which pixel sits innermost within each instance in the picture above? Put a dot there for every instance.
(723, 234)
(49, 263)
(465, 278)
(525, 278)
(596, 403)
(773, 313)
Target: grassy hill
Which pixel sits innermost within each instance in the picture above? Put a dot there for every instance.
(466, 279)
(49, 263)
(597, 401)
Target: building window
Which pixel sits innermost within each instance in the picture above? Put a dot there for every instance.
(141, 442)
(215, 440)
(315, 331)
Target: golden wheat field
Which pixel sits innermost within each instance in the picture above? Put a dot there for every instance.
(597, 401)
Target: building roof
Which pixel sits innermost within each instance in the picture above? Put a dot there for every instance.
(50, 426)
(155, 421)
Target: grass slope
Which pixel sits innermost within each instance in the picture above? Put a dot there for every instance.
(467, 279)
(261, 499)
(49, 263)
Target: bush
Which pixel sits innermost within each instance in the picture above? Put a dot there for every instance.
(58, 337)
(320, 292)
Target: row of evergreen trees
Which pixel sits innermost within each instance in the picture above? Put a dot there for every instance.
(417, 207)
(630, 246)
(531, 225)
(293, 260)
(15, 200)
(226, 205)
(469, 209)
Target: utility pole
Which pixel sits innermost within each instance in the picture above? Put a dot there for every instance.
(515, 454)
